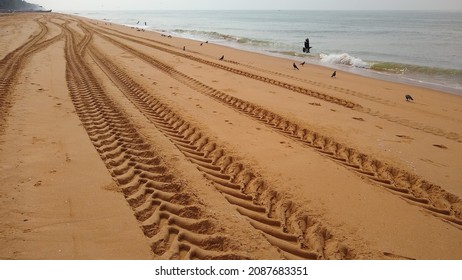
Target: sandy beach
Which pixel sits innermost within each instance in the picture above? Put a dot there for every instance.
(119, 143)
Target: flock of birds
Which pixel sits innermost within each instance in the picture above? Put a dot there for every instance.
(408, 97)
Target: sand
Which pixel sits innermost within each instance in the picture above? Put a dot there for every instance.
(117, 143)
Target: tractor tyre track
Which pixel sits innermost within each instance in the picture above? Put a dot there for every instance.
(402, 183)
(12, 63)
(312, 93)
(282, 224)
(169, 215)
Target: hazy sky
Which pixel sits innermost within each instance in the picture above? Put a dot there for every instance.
(249, 4)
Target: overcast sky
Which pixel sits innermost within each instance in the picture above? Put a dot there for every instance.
(64, 5)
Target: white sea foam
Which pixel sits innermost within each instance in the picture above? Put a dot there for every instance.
(389, 43)
(344, 59)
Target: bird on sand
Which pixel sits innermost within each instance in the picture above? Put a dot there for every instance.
(295, 66)
(303, 63)
(408, 97)
(334, 74)
(222, 57)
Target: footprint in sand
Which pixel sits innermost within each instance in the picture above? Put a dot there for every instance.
(406, 139)
(432, 162)
(440, 146)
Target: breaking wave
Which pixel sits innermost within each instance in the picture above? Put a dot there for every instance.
(344, 59)
(212, 35)
(400, 68)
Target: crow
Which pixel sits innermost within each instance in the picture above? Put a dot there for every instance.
(409, 97)
(334, 74)
(307, 47)
(222, 57)
(303, 63)
(295, 66)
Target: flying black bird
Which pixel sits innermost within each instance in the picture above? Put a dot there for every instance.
(295, 66)
(307, 47)
(409, 97)
(334, 74)
(222, 57)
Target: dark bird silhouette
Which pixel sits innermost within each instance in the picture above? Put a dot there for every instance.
(408, 97)
(307, 47)
(295, 66)
(222, 57)
(202, 44)
(206, 42)
(303, 63)
(334, 74)
(184, 48)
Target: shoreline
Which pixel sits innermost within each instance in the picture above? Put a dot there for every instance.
(364, 72)
(417, 79)
(105, 127)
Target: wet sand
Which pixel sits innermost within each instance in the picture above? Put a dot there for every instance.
(120, 144)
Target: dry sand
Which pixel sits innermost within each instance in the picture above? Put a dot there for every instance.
(118, 144)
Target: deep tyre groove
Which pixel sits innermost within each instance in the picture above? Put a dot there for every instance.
(264, 208)
(380, 173)
(325, 97)
(169, 216)
(11, 64)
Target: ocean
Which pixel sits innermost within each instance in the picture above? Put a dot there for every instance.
(417, 47)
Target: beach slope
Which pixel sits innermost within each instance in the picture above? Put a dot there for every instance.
(120, 143)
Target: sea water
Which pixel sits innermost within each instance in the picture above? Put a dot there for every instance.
(421, 47)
